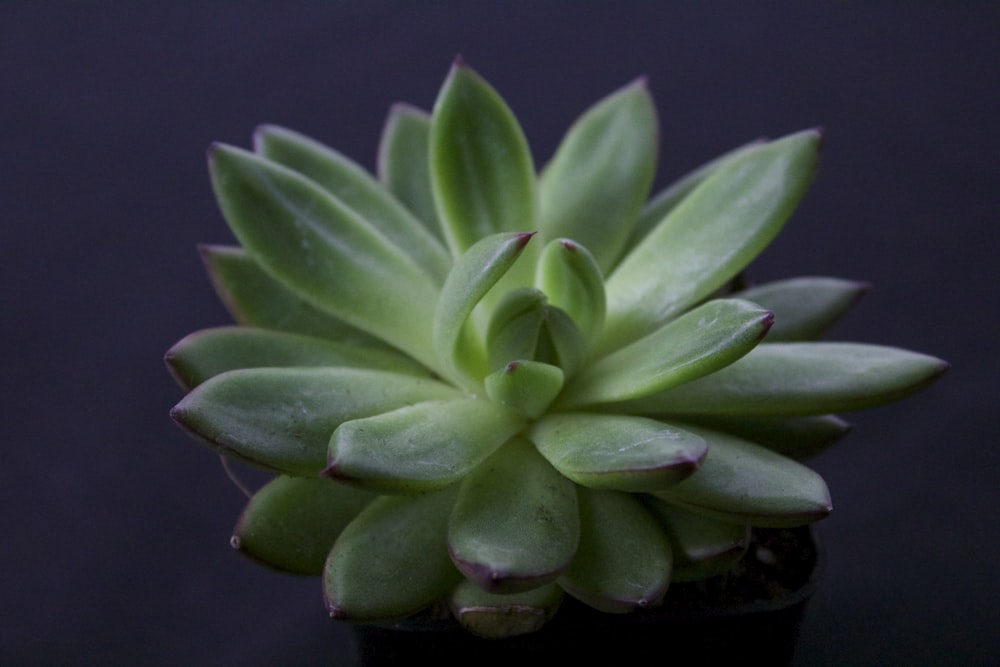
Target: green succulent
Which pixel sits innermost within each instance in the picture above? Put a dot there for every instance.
(482, 387)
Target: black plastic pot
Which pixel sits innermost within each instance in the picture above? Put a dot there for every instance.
(754, 613)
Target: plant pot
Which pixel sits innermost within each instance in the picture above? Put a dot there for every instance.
(754, 611)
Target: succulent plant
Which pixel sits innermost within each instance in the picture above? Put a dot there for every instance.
(483, 388)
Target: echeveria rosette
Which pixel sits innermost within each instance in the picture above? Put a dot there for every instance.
(488, 387)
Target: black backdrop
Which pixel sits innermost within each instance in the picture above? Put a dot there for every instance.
(114, 525)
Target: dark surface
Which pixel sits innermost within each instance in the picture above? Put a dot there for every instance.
(115, 524)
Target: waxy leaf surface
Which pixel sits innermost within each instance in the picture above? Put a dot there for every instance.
(804, 308)
(527, 387)
(495, 616)
(402, 164)
(571, 279)
(702, 547)
(798, 438)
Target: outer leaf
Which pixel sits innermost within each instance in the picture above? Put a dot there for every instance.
(494, 616)
(457, 344)
(699, 342)
(515, 525)
(324, 251)
(419, 447)
(748, 484)
(206, 353)
(527, 387)
(788, 379)
(624, 559)
(403, 163)
(482, 173)
(254, 298)
(618, 452)
(702, 547)
(798, 438)
(571, 279)
(282, 418)
(392, 560)
(359, 191)
(292, 522)
(657, 208)
(709, 237)
(804, 308)
(595, 185)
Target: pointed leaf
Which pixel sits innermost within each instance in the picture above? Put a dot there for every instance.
(571, 279)
(482, 173)
(209, 352)
(748, 484)
(702, 547)
(514, 327)
(699, 342)
(403, 163)
(709, 237)
(527, 387)
(494, 616)
(255, 298)
(798, 438)
(515, 525)
(804, 308)
(617, 451)
(419, 447)
(458, 345)
(623, 561)
(592, 190)
(392, 560)
(324, 251)
(358, 190)
(788, 379)
(282, 418)
(291, 522)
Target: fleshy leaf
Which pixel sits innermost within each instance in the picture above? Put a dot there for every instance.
(798, 438)
(749, 484)
(618, 451)
(804, 308)
(515, 525)
(514, 327)
(402, 164)
(709, 237)
(282, 418)
(255, 298)
(324, 251)
(482, 173)
(209, 352)
(702, 547)
(458, 345)
(569, 276)
(789, 379)
(660, 204)
(624, 560)
(419, 447)
(392, 560)
(358, 190)
(494, 616)
(700, 342)
(291, 522)
(596, 183)
(525, 386)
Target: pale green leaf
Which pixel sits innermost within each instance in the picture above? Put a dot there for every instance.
(703, 547)
(515, 525)
(569, 276)
(514, 327)
(595, 185)
(494, 616)
(798, 438)
(525, 386)
(804, 308)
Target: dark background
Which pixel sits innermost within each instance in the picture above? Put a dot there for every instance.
(114, 524)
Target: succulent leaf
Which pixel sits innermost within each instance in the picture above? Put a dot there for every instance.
(745, 483)
(494, 616)
(392, 560)
(791, 379)
(702, 547)
(402, 164)
(798, 438)
(804, 308)
(254, 298)
(354, 187)
(571, 279)
(514, 327)
(697, 343)
(281, 418)
(709, 237)
(420, 447)
(309, 241)
(595, 185)
(525, 386)
(209, 352)
(291, 522)
(624, 559)
(515, 525)
(618, 451)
